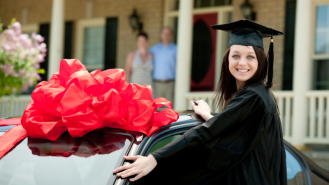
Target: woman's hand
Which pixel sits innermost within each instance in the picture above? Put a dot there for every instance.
(202, 109)
(141, 167)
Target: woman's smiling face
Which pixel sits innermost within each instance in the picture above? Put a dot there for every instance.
(243, 63)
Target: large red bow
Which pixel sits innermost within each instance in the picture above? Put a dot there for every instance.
(77, 101)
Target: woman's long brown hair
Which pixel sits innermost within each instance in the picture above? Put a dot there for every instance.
(226, 89)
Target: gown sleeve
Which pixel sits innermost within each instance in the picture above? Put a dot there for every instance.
(227, 138)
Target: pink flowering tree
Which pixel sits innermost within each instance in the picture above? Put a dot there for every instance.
(20, 58)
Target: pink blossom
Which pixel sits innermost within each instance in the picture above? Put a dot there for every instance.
(40, 58)
(27, 75)
(6, 47)
(24, 88)
(8, 69)
(25, 40)
(14, 74)
(37, 65)
(20, 48)
(33, 35)
(42, 47)
(38, 38)
(16, 27)
(12, 45)
(37, 76)
(21, 72)
(9, 32)
(32, 51)
(22, 55)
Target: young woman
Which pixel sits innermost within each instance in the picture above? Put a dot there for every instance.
(139, 64)
(241, 145)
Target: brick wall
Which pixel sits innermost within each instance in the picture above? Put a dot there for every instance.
(149, 11)
(270, 13)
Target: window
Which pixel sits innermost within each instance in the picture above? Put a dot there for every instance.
(321, 48)
(164, 142)
(294, 170)
(90, 43)
(322, 30)
(93, 47)
(322, 76)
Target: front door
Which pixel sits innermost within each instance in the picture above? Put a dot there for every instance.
(203, 52)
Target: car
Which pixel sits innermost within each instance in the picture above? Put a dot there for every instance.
(92, 158)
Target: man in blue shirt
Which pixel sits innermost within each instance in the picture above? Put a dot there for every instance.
(164, 65)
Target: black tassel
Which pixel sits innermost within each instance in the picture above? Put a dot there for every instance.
(270, 58)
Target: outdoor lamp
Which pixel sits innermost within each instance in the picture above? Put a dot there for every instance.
(134, 20)
(246, 9)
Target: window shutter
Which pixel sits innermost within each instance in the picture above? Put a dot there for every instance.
(110, 43)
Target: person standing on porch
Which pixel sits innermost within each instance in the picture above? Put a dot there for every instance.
(139, 64)
(164, 72)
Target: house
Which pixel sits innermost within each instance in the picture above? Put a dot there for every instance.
(99, 34)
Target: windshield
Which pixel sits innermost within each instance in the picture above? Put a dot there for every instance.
(87, 160)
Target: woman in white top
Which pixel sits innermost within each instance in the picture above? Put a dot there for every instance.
(139, 64)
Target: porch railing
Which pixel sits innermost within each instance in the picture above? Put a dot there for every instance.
(317, 115)
(13, 107)
(318, 121)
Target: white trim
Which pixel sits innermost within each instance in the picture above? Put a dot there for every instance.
(315, 56)
(320, 56)
(221, 44)
(80, 30)
(316, 3)
(27, 28)
(217, 9)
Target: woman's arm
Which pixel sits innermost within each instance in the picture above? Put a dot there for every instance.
(129, 61)
(142, 166)
(202, 109)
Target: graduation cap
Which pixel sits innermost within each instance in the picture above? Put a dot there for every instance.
(248, 33)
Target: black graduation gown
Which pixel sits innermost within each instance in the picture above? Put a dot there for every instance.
(241, 145)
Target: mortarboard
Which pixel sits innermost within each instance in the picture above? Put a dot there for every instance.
(248, 33)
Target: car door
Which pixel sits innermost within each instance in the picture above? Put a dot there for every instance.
(298, 172)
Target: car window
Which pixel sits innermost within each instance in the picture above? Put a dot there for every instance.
(86, 160)
(164, 142)
(295, 175)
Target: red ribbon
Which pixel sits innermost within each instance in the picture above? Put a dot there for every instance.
(77, 101)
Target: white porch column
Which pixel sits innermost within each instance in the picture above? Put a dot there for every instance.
(56, 37)
(184, 49)
(302, 73)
